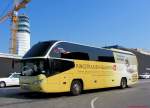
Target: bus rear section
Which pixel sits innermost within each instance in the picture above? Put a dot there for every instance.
(127, 66)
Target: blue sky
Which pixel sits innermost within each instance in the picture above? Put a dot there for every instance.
(92, 22)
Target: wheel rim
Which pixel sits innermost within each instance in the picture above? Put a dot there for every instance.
(2, 84)
(76, 88)
(124, 83)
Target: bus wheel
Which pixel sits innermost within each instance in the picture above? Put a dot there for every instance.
(123, 83)
(76, 87)
(2, 84)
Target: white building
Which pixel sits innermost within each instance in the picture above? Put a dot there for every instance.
(9, 63)
(23, 35)
(143, 51)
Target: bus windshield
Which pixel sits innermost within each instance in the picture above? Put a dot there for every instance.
(33, 67)
(39, 49)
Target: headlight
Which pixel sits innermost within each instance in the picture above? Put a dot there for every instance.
(37, 82)
(35, 68)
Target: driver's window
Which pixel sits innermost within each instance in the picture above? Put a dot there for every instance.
(58, 66)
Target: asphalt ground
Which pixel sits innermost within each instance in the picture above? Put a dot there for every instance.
(137, 96)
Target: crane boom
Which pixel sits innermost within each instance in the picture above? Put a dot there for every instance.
(21, 5)
(16, 8)
(8, 15)
(14, 18)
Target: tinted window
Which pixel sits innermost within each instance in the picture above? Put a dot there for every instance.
(58, 66)
(70, 51)
(16, 76)
(74, 51)
(75, 55)
(23, 26)
(23, 31)
(39, 49)
(106, 59)
(23, 20)
(32, 67)
(105, 56)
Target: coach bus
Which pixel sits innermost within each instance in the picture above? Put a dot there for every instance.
(58, 66)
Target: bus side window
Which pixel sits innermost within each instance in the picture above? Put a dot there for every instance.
(106, 59)
(66, 65)
(58, 66)
(75, 55)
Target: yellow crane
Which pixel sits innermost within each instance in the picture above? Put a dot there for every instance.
(14, 19)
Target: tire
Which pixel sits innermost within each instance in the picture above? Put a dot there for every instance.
(76, 88)
(123, 83)
(2, 84)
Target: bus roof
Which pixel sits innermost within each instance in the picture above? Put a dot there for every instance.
(121, 51)
(58, 41)
(55, 42)
(110, 49)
